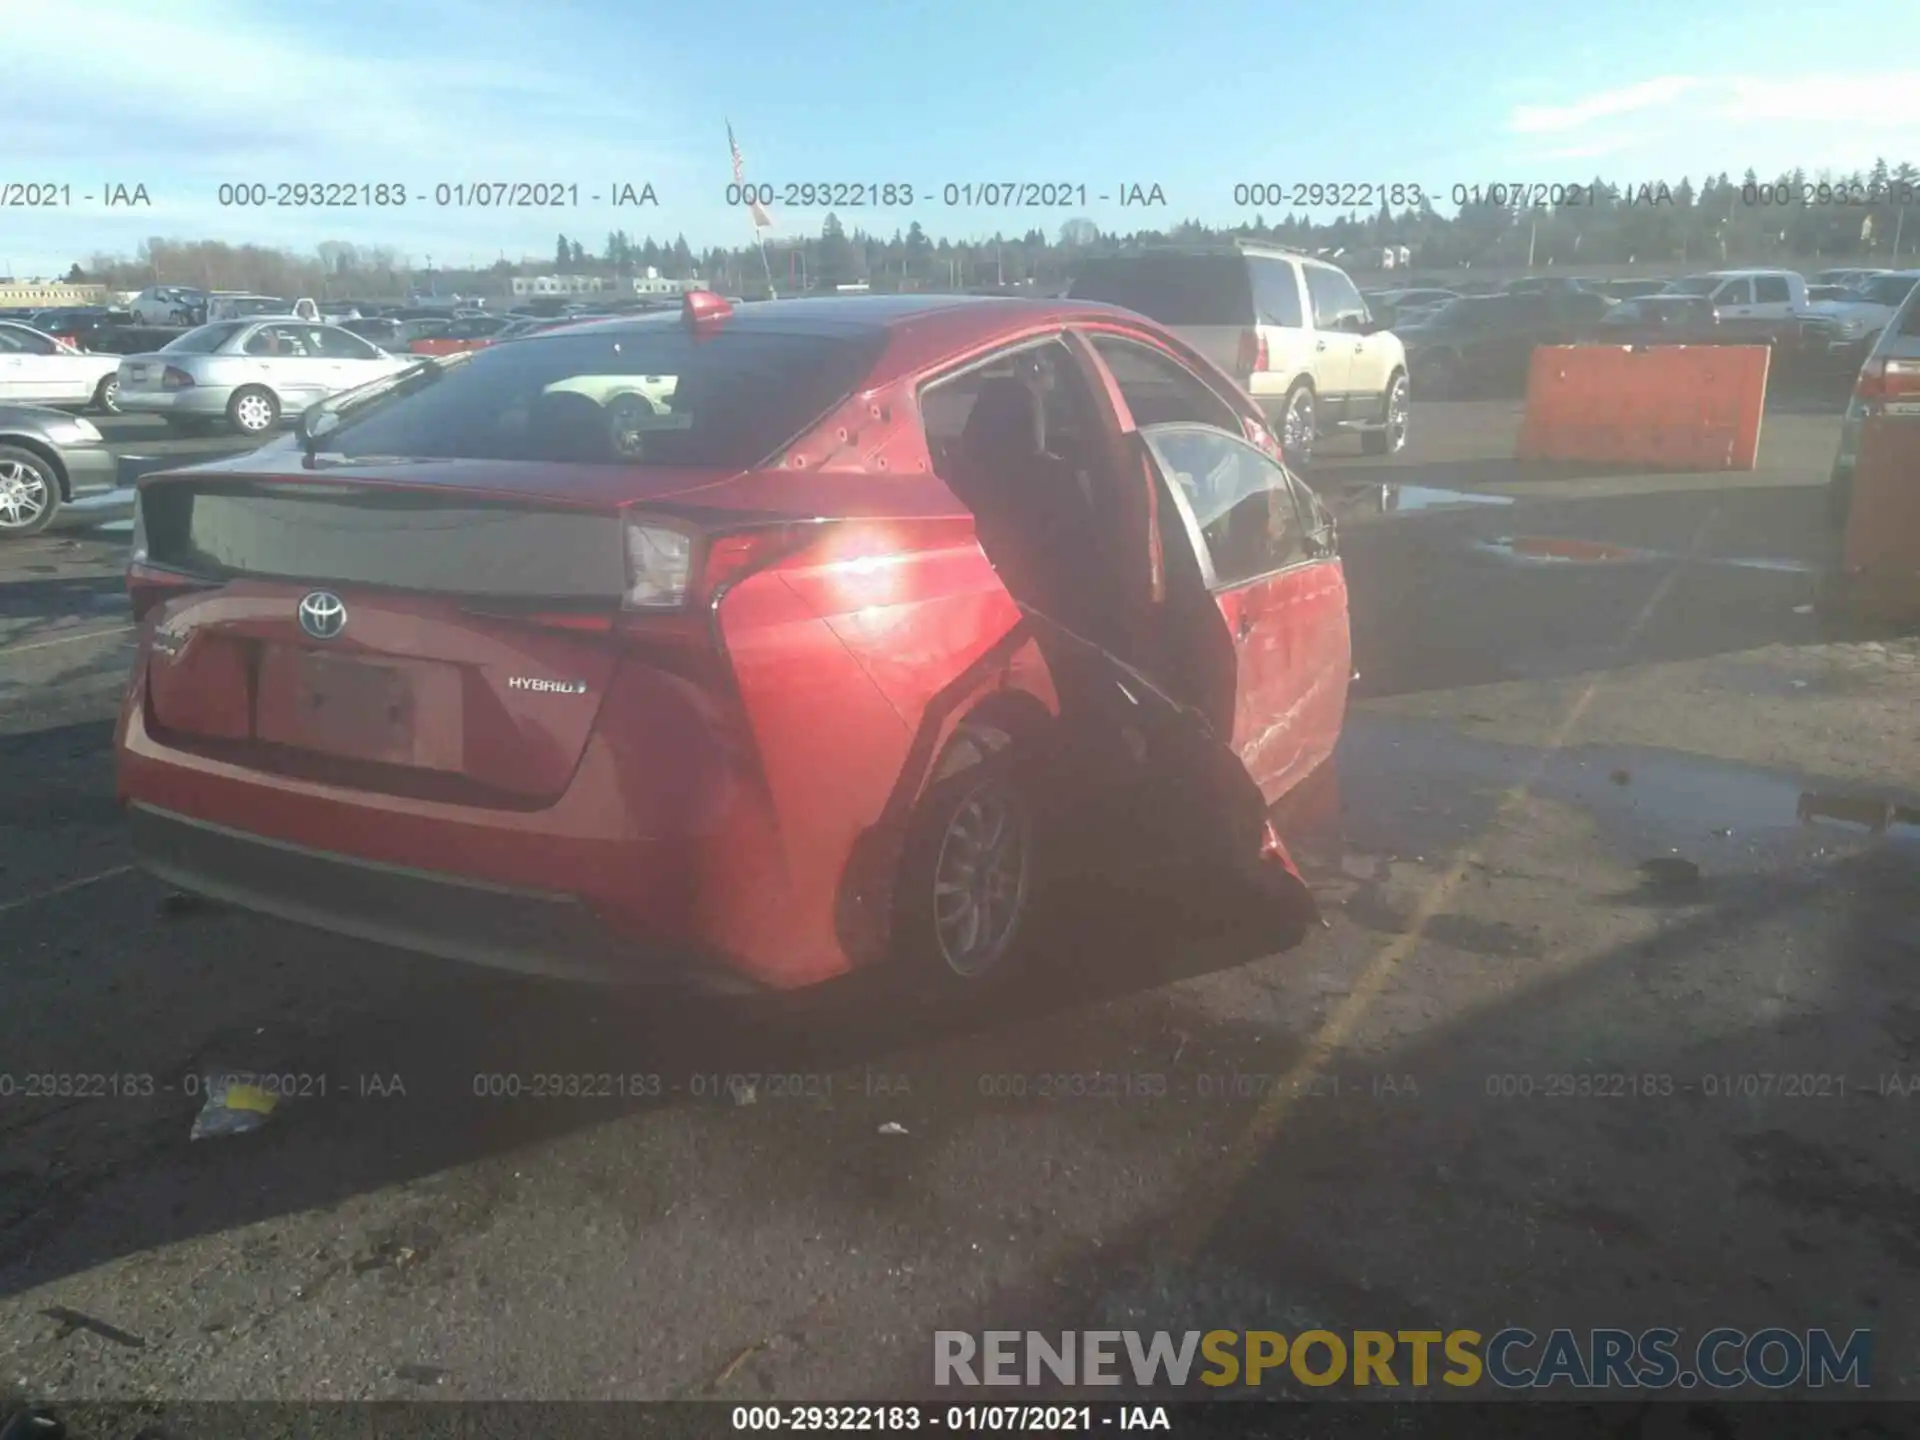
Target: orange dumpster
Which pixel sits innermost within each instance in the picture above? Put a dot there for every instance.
(1660, 407)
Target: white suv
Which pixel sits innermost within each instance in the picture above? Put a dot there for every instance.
(1292, 329)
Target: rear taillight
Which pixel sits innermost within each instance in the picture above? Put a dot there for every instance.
(1884, 379)
(659, 567)
(174, 378)
(1253, 352)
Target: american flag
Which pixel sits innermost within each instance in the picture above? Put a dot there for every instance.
(761, 219)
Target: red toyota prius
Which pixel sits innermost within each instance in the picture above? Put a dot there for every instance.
(736, 647)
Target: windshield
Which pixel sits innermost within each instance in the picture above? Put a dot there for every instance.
(1465, 313)
(203, 341)
(648, 394)
(1887, 289)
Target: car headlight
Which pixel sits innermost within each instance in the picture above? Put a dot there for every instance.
(1850, 328)
(73, 430)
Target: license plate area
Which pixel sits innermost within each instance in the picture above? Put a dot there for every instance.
(392, 712)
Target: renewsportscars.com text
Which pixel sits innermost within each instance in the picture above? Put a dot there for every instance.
(1510, 1359)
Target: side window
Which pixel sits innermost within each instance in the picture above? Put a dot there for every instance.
(1772, 290)
(285, 341)
(1336, 304)
(1734, 292)
(1068, 421)
(27, 343)
(1276, 292)
(1159, 390)
(1240, 501)
(9, 343)
(343, 345)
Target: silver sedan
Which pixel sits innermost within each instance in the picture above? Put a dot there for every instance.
(250, 374)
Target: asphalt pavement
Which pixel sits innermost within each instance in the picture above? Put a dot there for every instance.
(1602, 1031)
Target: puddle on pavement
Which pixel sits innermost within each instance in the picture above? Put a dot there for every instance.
(1565, 550)
(1401, 499)
(1420, 787)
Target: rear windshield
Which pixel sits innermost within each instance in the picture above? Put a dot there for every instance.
(1173, 289)
(651, 393)
(422, 541)
(204, 341)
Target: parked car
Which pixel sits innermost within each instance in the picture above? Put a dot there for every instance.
(1863, 312)
(1659, 320)
(78, 325)
(380, 330)
(169, 305)
(1629, 289)
(1847, 277)
(249, 373)
(239, 305)
(530, 706)
(1292, 329)
(1888, 384)
(1549, 285)
(1482, 343)
(48, 459)
(37, 369)
(469, 333)
(1401, 307)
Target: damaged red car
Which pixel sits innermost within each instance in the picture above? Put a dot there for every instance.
(746, 648)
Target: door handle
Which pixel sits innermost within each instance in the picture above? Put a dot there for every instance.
(1321, 346)
(1243, 627)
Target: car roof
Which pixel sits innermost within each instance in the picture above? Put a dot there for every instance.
(921, 330)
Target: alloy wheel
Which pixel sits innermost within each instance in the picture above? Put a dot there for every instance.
(980, 880)
(23, 495)
(1297, 429)
(1397, 416)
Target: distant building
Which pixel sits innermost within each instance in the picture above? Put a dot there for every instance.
(47, 294)
(650, 283)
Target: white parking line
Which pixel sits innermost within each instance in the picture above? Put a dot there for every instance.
(64, 640)
(48, 894)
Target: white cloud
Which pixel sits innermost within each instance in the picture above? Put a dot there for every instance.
(1606, 105)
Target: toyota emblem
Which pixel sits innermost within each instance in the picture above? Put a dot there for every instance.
(323, 615)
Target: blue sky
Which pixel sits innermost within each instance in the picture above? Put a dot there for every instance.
(183, 95)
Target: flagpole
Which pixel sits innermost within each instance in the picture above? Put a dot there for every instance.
(753, 212)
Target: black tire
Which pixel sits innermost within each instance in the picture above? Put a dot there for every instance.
(29, 492)
(106, 396)
(1389, 439)
(253, 410)
(1305, 427)
(929, 937)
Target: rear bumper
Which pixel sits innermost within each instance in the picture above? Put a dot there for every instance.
(528, 931)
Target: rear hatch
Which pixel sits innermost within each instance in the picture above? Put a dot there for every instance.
(439, 652)
(1207, 300)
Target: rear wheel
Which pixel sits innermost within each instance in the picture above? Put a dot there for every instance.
(106, 396)
(253, 410)
(1299, 424)
(1391, 437)
(966, 881)
(29, 492)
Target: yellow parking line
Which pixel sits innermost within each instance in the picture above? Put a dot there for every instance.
(63, 640)
(1198, 1217)
(48, 894)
